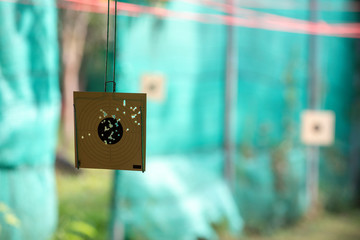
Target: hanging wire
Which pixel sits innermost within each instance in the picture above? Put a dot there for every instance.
(115, 45)
(107, 48)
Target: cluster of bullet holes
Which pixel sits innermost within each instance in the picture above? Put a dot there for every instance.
(110, 129)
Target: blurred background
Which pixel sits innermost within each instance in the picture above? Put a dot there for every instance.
(253, 119)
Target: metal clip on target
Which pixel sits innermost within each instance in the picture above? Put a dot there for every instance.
(76, 143)
(107, 47)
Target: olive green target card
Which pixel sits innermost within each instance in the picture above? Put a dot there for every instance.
(110, 130)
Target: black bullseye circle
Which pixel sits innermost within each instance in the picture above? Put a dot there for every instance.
(110, 130)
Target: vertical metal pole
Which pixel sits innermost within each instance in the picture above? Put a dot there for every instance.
(117, 230)
(355, 130)
(230, 100)
(314, 103)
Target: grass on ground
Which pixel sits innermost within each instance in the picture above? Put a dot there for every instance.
(84, 207)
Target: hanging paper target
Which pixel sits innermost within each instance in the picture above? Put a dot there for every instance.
(317, 127)
(110, 130)
(154, 86)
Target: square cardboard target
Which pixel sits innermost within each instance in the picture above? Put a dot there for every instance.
(110, 130)
(317, 127)
(154, 86)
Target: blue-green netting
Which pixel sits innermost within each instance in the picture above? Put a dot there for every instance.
(29, 110)
(183, 193)
(273, 89)
(272, 92)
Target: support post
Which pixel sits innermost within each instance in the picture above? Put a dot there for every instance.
(230, 99)
(313, 153)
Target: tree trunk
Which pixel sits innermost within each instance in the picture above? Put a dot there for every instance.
(74, 31)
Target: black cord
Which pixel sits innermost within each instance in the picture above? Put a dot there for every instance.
(115, 45)
(107, 48)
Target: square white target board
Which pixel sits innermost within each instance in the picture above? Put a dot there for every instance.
(154, 85)
(317, 127)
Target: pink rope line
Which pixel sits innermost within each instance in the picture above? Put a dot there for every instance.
(250, 18)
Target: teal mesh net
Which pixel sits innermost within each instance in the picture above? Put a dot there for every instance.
(29, 110)
(183, 192)
(273, 89)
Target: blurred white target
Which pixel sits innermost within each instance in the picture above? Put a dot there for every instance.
(317, 127)
(154, 86)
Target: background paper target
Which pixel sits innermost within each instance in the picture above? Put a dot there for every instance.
(154, 86)
(317, 127)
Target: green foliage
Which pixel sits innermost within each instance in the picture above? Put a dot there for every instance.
(75, 229)
(8, 217)
(84, 202)
(324, 227)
